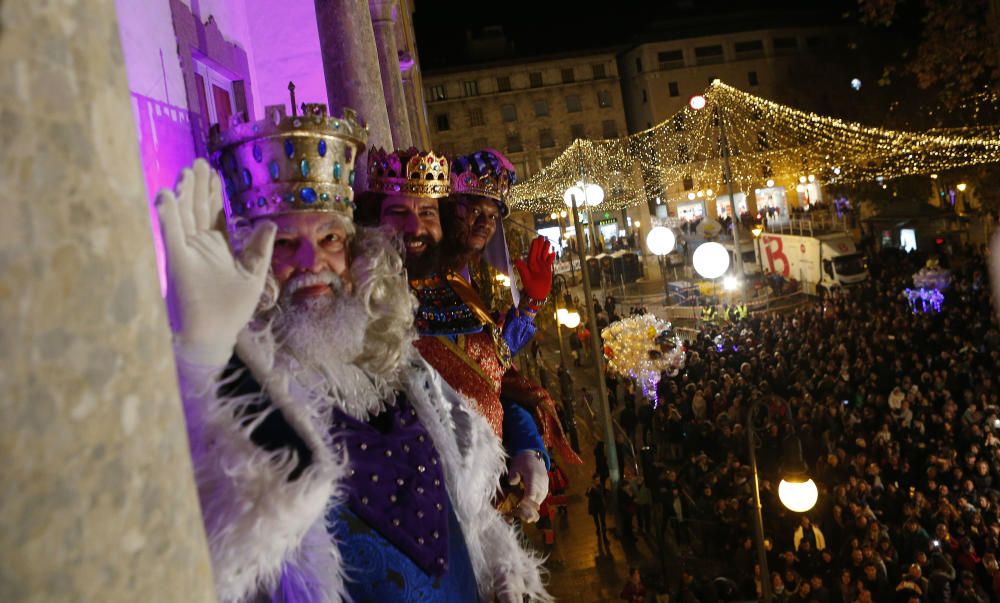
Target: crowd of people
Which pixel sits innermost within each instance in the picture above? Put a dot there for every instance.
(897, 414)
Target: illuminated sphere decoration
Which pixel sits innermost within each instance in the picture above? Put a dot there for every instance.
(641, 348)
(856, 84)
(798, 496)
(660, 240)
(711, 260)
(697, 102)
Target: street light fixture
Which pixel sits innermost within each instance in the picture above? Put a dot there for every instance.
(961, 187)
(799, 494)
(660, 240)
(590, 195)
(711, 260)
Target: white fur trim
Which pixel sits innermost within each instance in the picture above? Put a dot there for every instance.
(267, 535)
(255, 518)
(474, 460)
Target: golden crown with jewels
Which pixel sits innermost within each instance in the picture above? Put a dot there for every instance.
(411, 172)
(285, 164)
(486, 173)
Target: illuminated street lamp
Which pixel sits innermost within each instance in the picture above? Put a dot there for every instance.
(697, 102)
(796, 491)
(961, 187)
(591, 195)
(711, 260)
(660, 241)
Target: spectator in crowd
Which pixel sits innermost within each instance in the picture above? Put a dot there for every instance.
(597, 508)
(634, 590)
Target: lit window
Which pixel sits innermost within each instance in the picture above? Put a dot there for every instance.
(218, 96)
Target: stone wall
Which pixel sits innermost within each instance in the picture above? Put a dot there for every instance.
(98, 502)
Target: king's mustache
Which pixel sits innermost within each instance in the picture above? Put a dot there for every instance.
(312, 279)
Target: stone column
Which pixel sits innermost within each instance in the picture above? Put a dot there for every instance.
(98, 500)
(384, 27)
(353, 78)
(415, 109)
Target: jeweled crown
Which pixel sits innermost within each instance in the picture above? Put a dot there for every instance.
(410, 172)
(284, 164)
(486, 173)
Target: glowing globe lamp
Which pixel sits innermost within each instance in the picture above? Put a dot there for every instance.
(592, 194)
(571, 320)
(798, 496)
(697, 102)
(711, 260)
(561, 315)
(660, 240)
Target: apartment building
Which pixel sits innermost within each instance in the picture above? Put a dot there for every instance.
(530, 109)
(786, 65)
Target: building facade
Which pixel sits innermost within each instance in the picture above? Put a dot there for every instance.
(192, 63)
(787, 65)
(531, 110)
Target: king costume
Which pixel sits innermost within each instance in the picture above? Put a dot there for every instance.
(458, 336)
(363, 477)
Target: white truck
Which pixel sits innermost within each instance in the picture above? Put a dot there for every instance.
(822, 261)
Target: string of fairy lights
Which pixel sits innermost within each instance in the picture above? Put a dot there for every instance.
(767, 141)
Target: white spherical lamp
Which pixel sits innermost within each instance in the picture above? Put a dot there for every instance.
(711, 260)
(574, 191)
(595, 194)
(571, 320)
(798, 496)
(660, 240)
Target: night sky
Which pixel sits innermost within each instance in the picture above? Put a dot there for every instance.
(544, 27)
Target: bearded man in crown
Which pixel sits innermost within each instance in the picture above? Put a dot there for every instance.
(458, 335)
(332, 462)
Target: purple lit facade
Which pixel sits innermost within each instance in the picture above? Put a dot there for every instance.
(191, 62)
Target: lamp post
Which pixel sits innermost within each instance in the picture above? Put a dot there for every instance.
(566, 315)
(796, 491)
(698, 103)
(593, 194)
(562, 239)
(660, 241)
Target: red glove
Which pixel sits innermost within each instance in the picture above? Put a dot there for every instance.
(536, 273)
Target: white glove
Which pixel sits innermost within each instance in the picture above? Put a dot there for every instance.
(211, 295)
(527, 467)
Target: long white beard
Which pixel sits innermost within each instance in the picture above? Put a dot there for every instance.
(318, 342)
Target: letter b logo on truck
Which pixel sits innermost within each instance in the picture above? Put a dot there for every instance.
(774, 248)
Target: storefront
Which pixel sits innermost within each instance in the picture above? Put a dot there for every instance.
(773, 203)
(809, 193)
(690, 211)
(724, 207)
